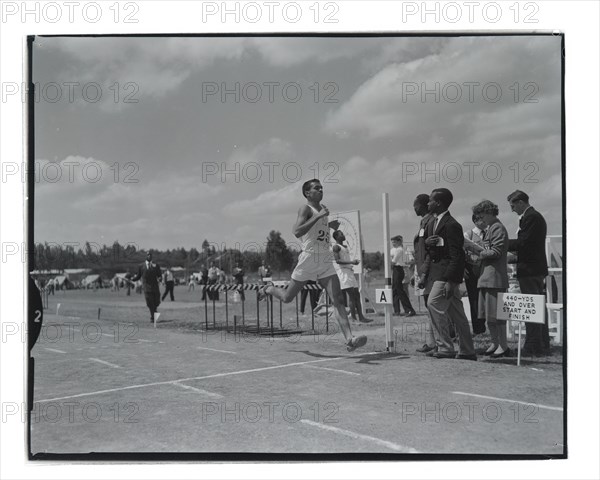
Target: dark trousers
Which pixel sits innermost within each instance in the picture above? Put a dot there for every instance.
(152, 301)
(213, 294)
(314, 298)
(241, 290)
(537, 338)
(471, 277)
(398, 293)
(169, 289)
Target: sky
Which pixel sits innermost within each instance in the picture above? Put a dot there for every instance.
(199, 138)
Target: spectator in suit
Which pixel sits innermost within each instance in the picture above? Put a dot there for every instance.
(493, 278)
(473, 240)
(444, 269)
(149, 273)
(421, 210)
(532, 267)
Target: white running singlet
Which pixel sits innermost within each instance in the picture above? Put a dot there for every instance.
(316, 240)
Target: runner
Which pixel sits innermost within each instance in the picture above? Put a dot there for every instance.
(316, 260)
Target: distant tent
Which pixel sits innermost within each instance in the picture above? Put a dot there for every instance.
(62, 282)
(92, 281)
(76, 275)
(123, 279)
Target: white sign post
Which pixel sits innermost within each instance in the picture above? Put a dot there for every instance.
(388, 278)
(521, 307)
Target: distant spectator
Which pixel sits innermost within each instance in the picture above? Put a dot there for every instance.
(169, 280)
(222, 277)
(149, 273)
(238, 278)
(213, 276)
(204, 281)
(367, 277)
(264, 272)
(398, 264)
(128, 282)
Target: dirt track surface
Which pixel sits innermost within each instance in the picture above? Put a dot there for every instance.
(119, 385)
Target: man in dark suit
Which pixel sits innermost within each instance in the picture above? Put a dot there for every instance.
(421, 208)
(532, 266)
(150, 273)
(444, 269)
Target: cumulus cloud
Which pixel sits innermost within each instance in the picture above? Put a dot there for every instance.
(435, 95)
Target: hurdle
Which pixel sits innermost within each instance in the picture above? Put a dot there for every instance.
(269, 312)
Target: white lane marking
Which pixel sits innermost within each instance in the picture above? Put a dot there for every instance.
(198, 390)
(558, 409)
(333, 370)
(168, 382)
(54, 350)
(104, 362)
(142, 340)
(215, 350)
(358, 436)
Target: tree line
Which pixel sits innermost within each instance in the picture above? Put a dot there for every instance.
(118, 258)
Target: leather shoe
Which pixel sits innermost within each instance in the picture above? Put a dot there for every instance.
(410, 314)
(444, 355)
(431, 353)
(505, 353)
(425, 348)
(462, 356)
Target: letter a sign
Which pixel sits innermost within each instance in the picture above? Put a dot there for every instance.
(383, 295)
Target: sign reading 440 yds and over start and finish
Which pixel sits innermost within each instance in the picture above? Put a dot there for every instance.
(521, 307)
